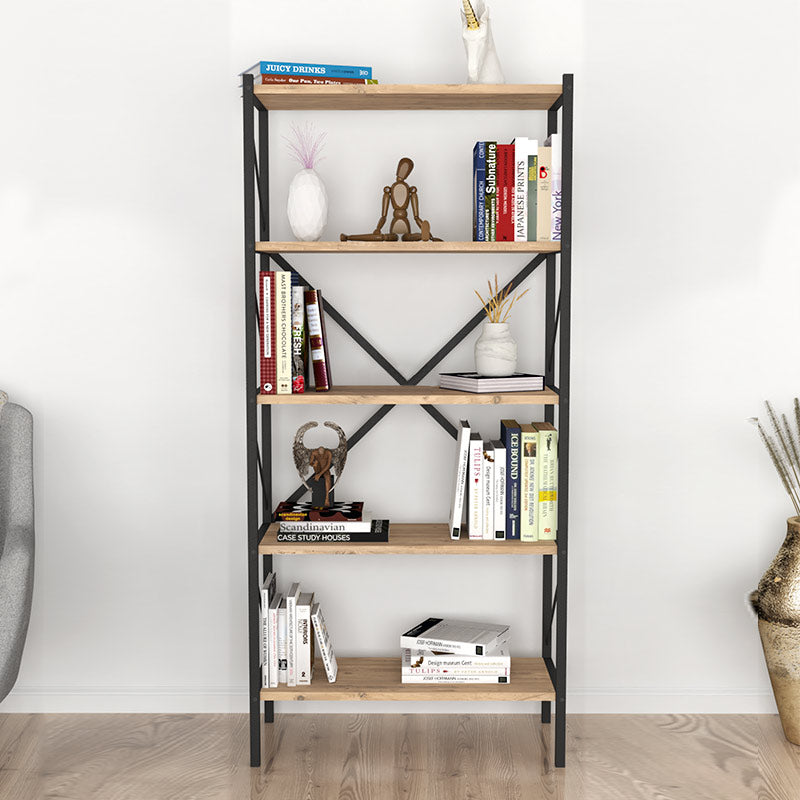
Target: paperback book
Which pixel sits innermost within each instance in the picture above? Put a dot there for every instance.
(475, 488)
(472, 382)
(366, 525)
(304, 639)
(291, 634)
(314, 70)
(462, 465)
(323, 639)
(318, 340)
(431, 662)
(299, 338)
(510, 436)
(455, 636)
(305, 511)
(306, 80)
(529, 441)
(379, 532)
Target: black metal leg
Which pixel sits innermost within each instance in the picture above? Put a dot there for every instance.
(547, 621)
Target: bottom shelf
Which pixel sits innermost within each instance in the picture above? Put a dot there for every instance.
(379, 679)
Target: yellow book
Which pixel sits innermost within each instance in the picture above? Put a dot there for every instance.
(529, 440)
(547, 480)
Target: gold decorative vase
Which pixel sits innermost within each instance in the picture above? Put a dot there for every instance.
(777, 604)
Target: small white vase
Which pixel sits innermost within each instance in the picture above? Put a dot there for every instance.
(308, 206)
(495, 351)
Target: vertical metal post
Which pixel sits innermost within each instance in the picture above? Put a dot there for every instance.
(251, 342)
(266, 410)
(549, 415)
(563, 420)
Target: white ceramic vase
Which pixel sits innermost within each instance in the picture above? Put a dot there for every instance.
(308, 206)
(495, 351)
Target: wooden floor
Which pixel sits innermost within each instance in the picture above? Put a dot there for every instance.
(398, 757)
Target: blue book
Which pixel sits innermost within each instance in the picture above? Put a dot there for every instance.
(510, 435)
(309, 70)
(479, 192)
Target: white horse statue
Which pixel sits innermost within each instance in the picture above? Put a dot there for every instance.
(483, 65)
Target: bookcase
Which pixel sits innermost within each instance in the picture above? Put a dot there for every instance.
(542, 679)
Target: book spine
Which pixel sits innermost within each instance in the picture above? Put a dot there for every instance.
(273, 645)
(462, 466)
(291, 636)
(283, 650)
(554, 140)
(314, 70)
(488, 671)
(490, 210)
(499, 491)
(505, 192)
(479, 192)
(543, 200)
(521, 149)
(487, 483)
(510, 436)
(548, 484)
(528, 505)
(299, 341)
(305, 80)
(379, 535)
(268, 374)
(533, 162)
(283, 330)
(452, 647)
(305, 646)
(412, 660)
(299, 526)
(318, 340)
(325, 644)
(475, 487)
(455, 678)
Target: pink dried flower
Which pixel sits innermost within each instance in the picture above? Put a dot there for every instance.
(306, 145)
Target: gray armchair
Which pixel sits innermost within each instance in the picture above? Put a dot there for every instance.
(16, 537)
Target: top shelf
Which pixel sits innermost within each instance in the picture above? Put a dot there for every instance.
(409, 97)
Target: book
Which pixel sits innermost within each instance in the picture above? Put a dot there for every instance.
(499, 453)
(522, 145)
(304, 664)
(429, 662)
(301, 68)
(529, 440)
(479, 192)
(455, 679)
(318, 341)
(505, 193)
(274, 636)
(267, 593)
(490, 210)
(323, 638)
(379, 532)
(472, 382)
(547, 462)
(487, 484)
(460, 488)
(283, 330)
(543, 199)
(291, 634)
(554, 142)
(455, 636)
(295, 80)
(365, 525)
(283, 660)
(533, 169)
(299, 338)
(266, 328)
(475, 491)
(305, 511)
(510, 436)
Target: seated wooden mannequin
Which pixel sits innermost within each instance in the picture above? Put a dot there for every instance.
(399, 194)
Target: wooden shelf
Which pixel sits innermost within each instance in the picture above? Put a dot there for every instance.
(428, 538)
(408, 396)
(379, 679)
(408, 247)
(409, 97)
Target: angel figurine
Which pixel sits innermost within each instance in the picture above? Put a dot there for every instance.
(321, 460)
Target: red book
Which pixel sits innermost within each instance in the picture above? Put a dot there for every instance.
(269, 369)
(304, 79)
(318, 341)
(505, 193)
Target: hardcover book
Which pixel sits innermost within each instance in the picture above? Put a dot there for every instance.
(547, 462)
(422, 662)
(283, 330)
(479, 192)
(455, 679)
(491, 191)
(529, 439)
(554, 141)
(510, 436)
(475, 493)
(533, 169)
(314, 70)
(305, 511)
(323, 638)
(299, 338)
(499, 454)
(505, 193)
(291, 634)
(274, 640)
(543, 198)
(318, 340)
(472, 382)
(267, 593)
(460, 488)
(305, 639)
(300, 80)
(378, 532)
(522, 146)
(283, 660)
(366, 525)
(268, 372)
(487, 483)
(455, 636)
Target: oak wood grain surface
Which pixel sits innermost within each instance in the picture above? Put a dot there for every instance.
(394, 757)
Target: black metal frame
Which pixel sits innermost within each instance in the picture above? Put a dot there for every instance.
(259, 460)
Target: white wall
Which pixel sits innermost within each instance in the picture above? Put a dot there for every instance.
(121, 329)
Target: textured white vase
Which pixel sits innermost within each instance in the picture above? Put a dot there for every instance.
(308, 206)
(495, 351)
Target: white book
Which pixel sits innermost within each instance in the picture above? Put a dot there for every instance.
(267, 593)
(529, 443)
(325, 644)
(283, 331)
(544, 199)
(282, 648)
(291, 634)
(499, 454)
(522, 147)
(455, 679)
(455, 636)
(429, 662)
(475, 494)
(305, 639)
(487, 483)
(462, 464)
(366, 525)
(274, 607)
(554, 141)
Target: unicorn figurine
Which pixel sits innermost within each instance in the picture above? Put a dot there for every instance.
(483, 65)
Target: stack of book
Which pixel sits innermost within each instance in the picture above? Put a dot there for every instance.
(265, 72)
(453, 651)
(304, 523)
(516, 190)
(291, 625)
(507, 486)
(291, 322)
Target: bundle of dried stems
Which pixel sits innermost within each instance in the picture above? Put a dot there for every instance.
(495, 307)
(783, 449)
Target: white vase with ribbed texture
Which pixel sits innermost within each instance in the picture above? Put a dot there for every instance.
(307, 206)
(495, 351)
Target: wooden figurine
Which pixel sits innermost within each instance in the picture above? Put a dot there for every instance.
(321, 460)
(399, 195)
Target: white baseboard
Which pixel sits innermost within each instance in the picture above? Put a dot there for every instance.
(226, 700)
